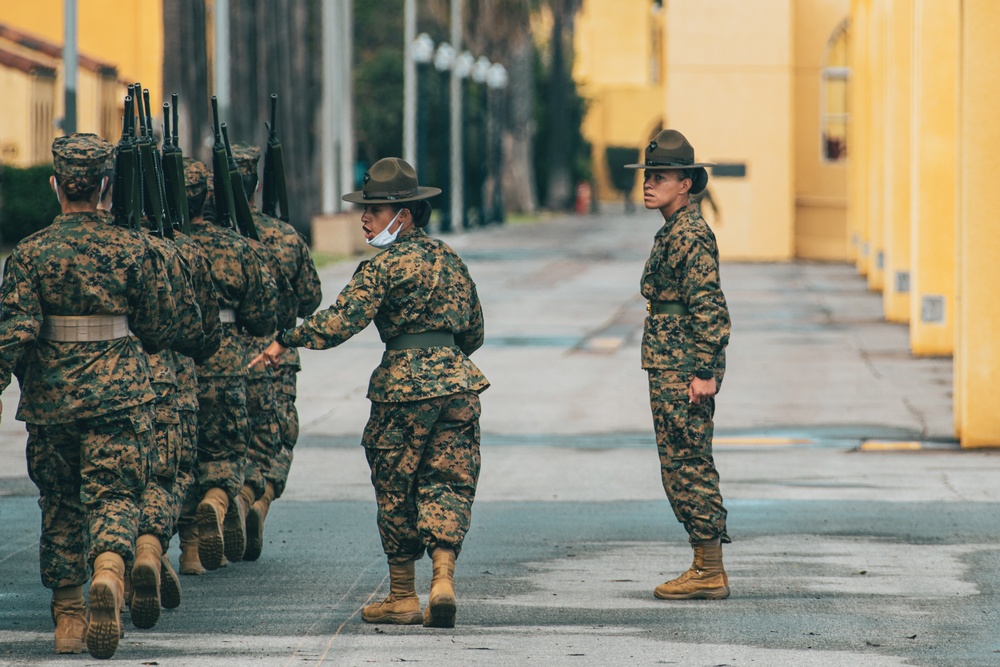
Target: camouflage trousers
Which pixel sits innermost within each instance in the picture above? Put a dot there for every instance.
(265, 430)
(288, 425)
(223, 431)
(158, 512)
(424, 460)
(186, 491)
(90, 475)
(684, 442)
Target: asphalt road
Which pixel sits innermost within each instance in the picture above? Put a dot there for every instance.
(862, 534)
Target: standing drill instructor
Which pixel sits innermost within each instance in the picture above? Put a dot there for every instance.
(422, 438)
(72, 294)
(683, 349)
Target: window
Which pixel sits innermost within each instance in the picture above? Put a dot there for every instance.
(835, 77)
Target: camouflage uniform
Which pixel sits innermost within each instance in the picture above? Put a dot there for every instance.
(185, 497)
(245, 286)
(684, 267)
(159, 505)
(300, 298)
(422, 439)
(88, 405)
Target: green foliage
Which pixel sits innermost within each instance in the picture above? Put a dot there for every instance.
(27, 203)
(617, 157)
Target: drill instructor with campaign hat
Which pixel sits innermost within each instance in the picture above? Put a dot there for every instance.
(422, 438)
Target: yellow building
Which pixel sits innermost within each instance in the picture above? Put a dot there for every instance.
(780, 93)
(119, 42)
(758, 87)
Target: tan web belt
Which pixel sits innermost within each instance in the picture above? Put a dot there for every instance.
(421, 340)
(83, 328)
(227, 316)
(667, 308)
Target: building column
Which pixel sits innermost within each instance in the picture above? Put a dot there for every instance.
(899, 43)
(933, 185)
(874, 247)
(859, 133)
(977, 367)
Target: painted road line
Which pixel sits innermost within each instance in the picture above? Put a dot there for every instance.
(890, 446)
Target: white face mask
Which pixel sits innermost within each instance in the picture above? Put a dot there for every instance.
(385, 238)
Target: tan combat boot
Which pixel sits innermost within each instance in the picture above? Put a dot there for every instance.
(705, 580)
(401, 606)
(190, 562)
(255, 523)
(170, 584)
(145, 603)
(211, 510)
(69, 611)
(107, 590)
(235, 524)
(440, 611)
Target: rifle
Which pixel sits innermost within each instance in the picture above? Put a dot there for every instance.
(241, 210)
(221, 182)
(173, 171)
(152, 178)
(123, 204)
(275, 193)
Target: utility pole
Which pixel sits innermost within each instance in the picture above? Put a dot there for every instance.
(410, 85)
(455, 95)
(346, 96)
(70, 65)
(222, 78)
(328, 125)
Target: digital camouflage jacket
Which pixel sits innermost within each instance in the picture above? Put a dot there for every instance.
(292, 253)
(243, 285)
(79, 265)
(684, 266)
(417, 284)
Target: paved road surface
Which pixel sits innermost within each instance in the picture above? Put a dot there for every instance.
(862, 535)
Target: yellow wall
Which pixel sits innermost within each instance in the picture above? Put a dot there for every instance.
(617, 66)
(874, 243)
(934, 176)
(125, 33)
(978, 362)
(820, 186)
(897, 131)
(729, 92)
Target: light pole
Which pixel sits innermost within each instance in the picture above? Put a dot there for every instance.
(444, 60)
(496, 79)
(421, 53)
(463, 68)
(481, 167)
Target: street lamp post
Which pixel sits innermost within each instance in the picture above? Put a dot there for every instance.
(496, 79)
(463, 68)
(444, 60)
(479, 73)
(422, 53)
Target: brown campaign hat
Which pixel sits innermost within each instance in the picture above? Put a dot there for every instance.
(390, 181)
(80, 154)
(669, 150)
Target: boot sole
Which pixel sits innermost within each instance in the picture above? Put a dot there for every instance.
(145, 595)
(705, 594)
(412, 618)
(210, 545)
(440, 614)
(234, 532)
(104, 630)
(69, 646)
(254, 535)
(170, 586)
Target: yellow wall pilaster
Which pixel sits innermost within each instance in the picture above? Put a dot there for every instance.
(977, 370)
(877, 205)
(899, 42)
(933, 186)
(859, 133)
